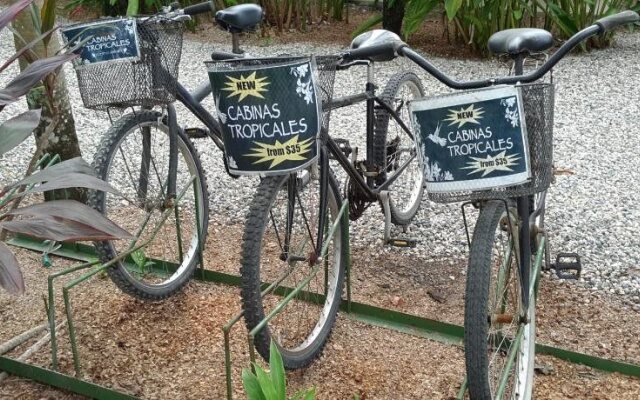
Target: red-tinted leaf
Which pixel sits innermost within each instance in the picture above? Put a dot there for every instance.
(10, 12)
(51, 228)
(17, 129)
(75, 165)
(34, 42)
(71, 210)
(10, 275)
(73, 180)
(33, 74)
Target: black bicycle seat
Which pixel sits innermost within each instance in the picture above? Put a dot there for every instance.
(380, 41)
(240, 18)
(520, 40)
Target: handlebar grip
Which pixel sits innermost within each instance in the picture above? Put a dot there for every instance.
(380, 52)
(611, 22)
(200, 8)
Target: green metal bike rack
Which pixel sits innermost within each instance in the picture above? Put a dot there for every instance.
(399, 321)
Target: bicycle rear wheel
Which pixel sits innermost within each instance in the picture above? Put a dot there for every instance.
(395, 149)
(280, 246)
(134, 158)
(493, 320)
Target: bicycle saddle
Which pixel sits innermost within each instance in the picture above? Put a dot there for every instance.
(376, 38)
(520, 40)
(240, 18)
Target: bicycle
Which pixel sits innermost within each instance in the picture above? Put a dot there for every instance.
(145, 154)
(285, 251)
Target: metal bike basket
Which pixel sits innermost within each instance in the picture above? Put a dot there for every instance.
(271, 110)
(538, 105)
(144, 81)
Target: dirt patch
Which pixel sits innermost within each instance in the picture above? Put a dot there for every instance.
(174, 348)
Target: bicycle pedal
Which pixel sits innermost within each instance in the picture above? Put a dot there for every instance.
(405, 242)
(568, 266)
(197, 133)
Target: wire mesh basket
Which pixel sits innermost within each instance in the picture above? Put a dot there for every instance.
(146, 81)
(538, 105)
(303, 86)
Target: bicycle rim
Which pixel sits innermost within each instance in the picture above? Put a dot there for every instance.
(406, 190)
(288, 249)
(494, 253)
(142, 208)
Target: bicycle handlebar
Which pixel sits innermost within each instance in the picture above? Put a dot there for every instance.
(383, 51)
(207, 6)
(613, 21)
(400, 48)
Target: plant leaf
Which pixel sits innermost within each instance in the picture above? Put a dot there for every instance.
(12, 11)
(562, 19)
(368, 24)
(266, 384)
(15, 130)
(139, 258)
(452, 7)
(75, 165)
(10, 275)
(310, 394)
(72, 180)
(48, 18)
(133, 7)
(31, 75)
(35, 41)
(276, 366)
(415, 15)
(74, 211)
(251, 385)
(52, 228)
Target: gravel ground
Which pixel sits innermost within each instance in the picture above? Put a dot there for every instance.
(591, 210)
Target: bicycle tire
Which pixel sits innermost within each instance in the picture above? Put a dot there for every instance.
(400, 214)
(479, 321)
(257, 267)
(124, 275)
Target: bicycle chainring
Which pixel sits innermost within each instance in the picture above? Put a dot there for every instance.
(358, 202)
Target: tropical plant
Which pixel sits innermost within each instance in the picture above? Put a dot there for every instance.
(272, 384)
(64, 220)
(570, 16)
(474, 21)
(34, 29)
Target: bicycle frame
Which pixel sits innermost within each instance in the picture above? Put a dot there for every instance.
(366, 184)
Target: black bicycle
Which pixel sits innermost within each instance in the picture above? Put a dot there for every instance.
(296, 238)
(146, 155)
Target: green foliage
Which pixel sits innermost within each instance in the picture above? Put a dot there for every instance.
(368, 24)
(415, 13)
(570, 16)
(474, 21)
(272, 385)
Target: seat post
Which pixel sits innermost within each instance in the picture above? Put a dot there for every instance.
(518, 60)
(235, 43)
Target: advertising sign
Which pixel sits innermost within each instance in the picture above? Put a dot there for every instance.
(112, 40)
(269, 115)
(473, 140)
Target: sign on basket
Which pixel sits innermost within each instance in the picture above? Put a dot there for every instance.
(473, 140)
(98, 42)
(269, 114)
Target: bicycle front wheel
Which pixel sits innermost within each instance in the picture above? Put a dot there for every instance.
(280, 247)
(134, 158)
(499, 341)
(396, 150)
